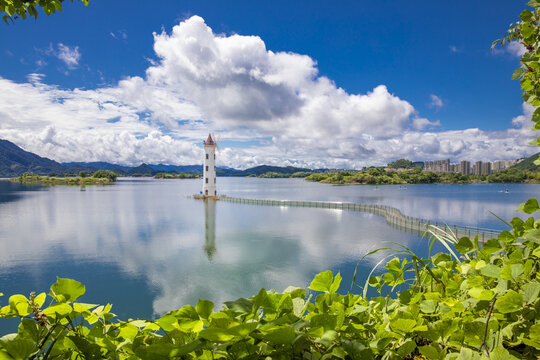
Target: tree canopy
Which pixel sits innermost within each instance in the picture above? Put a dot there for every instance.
(14, 9)
(402, 164)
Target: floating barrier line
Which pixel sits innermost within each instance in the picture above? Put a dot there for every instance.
(392, 216)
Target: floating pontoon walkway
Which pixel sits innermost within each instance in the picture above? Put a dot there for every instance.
(392, 216)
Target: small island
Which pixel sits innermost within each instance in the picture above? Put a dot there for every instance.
(100, 177)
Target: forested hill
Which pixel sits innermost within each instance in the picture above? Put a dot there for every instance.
(14, 161)
(528, 164)
(262, 169)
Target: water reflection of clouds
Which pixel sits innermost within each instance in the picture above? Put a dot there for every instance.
(146, 233)
(151, 229)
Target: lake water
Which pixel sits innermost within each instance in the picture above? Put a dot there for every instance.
(146, 247)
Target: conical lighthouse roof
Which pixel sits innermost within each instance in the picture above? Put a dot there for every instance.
(209, 140)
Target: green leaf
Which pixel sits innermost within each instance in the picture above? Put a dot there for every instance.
(240, 305)
(17, 346)
(167, 322)
(428, 306)
(205, 308)
(281, 336)
(90, 350)
(527, 30)
(244, 329)
(326, 321)
(61, 309)
(186, 348)
(500, 353)
(335, 284)
(295, 292)
(534, 332)
(58, 5)
(517, 73)
(338, 352)
(20, 305)
(533, 235)
(526, 15)
(491, 270)
(29, 328)
(128, 331)
(327, 338)
(40, 299)
(530, 292)
(67, 290)
(429, 351)
(491, 246)
(81, 307)
(193, 326)
(402, 326)
(322, 282)
(406, 348)
(510, 302)
(529, 206)
(506, 237)
(187, 312)
(512, 271)
(464, 245)
(217, 335)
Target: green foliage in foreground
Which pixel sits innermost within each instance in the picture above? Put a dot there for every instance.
(379, 176)
(478, 301)
(33, 179)
(164, 175)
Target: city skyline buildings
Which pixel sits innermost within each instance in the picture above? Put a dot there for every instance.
(464, 167)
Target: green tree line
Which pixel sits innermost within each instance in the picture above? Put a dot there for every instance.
(379, 176)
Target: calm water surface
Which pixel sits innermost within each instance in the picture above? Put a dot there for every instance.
(146, 247)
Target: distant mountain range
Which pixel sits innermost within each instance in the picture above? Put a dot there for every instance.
(15, 161)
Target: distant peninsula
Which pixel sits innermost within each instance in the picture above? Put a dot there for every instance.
(100, 177)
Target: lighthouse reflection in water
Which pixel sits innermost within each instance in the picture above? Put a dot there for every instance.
(209, 227)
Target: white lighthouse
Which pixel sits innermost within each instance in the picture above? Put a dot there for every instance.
(209, 169)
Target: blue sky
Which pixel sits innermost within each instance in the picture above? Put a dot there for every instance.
(318, 83)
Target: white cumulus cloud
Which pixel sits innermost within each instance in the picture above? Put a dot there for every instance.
(274, 107)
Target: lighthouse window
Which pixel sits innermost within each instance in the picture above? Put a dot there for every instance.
(207, 156)
(206, 167)
(214, 180)
(214, 156)
(207, 180)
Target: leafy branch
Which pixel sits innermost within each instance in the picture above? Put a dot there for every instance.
(14, 9)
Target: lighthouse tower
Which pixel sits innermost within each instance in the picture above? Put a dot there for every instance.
(209, 169)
